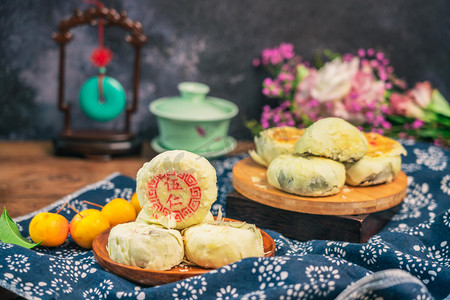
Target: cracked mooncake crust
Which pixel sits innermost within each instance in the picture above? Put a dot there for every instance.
(146, 246)
(216, 244)
(333, 138)
(381, 163)
(306, 175)
(273, 142)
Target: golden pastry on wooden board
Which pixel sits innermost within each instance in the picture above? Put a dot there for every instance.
(273, 142)
(381, 163)
(333, 138)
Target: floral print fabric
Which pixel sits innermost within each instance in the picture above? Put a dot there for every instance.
(408, 259)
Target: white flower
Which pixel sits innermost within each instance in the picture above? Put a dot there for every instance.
(227, 293)
(18, 263)
(334, 80)
(445, 184)
(183, 290)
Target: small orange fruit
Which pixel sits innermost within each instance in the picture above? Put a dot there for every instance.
(119, 211)
(86, 225)
(136, 204)
(50, 228)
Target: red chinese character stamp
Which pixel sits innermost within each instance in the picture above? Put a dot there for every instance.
(174, 193)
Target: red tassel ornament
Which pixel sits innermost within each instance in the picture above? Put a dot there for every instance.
(101, 57)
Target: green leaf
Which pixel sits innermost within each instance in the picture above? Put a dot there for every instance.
(330, 54)
(438, 104)
(254, 127)
(9, 232)
(302, 72)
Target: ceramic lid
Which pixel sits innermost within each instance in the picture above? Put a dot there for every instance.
(193, 105)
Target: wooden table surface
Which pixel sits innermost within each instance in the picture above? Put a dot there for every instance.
(32, 177)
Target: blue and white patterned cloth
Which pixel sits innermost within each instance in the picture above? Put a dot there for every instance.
(408, 259)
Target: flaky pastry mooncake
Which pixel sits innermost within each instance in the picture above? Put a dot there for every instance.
(306, 175)
(146, 246)
(273, 142)
(216, 244)
(333, 138)
(381, 163)
(177, 188)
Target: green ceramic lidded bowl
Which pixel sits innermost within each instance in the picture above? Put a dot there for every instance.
(193, 121)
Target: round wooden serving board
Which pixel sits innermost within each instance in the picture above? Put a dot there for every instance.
(249, 179)
(149, 277)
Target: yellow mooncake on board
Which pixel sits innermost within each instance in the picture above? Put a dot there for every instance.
(333, 138)
(177, 188)
(273, 142)
(381, 163)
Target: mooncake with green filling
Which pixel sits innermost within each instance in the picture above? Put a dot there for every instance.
(333, 138)
(216, 244)
(177, 188)
(146, 246)
(275, 141)
(381, 163)
(306, 175)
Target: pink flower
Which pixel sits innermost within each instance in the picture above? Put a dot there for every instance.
(287, 50)
(366, 96)
(417, 124)
(304, 88)
(367, 89)
(399, 103)
(334, 80)
(404, 105)
(421, 93)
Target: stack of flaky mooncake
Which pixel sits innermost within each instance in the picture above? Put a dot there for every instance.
(328, 154)
(176, 190)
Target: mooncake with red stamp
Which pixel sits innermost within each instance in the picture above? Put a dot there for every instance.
(176, 189)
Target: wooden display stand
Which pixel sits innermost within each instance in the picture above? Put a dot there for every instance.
(98, 144)
(303, 227)
(353, 215)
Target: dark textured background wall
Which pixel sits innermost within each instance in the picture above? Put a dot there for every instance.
(207, 41)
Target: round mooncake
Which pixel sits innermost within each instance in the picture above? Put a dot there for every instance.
(333, 138)
(145, 216)
(273, 142)
(177, 188)
(381, 163)
(216, 244)
(146, 246)
(306, 175)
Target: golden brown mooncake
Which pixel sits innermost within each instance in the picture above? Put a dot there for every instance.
(273, 142)
(333, 138)
(381, 163)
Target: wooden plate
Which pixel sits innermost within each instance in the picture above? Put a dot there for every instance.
(250, 180)
(148, 277)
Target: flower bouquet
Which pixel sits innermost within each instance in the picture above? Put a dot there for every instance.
(360, 88)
